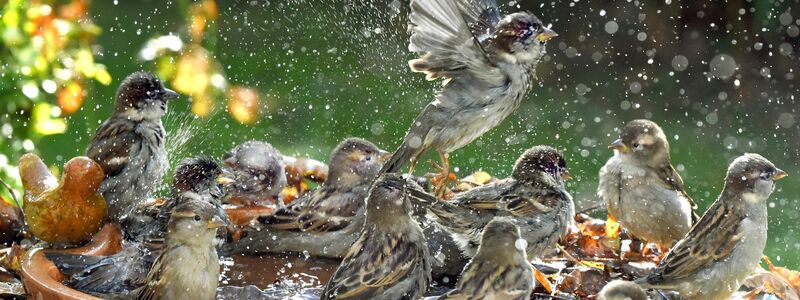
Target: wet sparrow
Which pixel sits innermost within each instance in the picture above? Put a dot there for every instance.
(327, 220)
(725, 246)
(257, 172)
(129, 146)
(500, 269)
(188, 267)
(487, 62)
(641, 188)
(194, 180)
(533, 197)
(390, 259)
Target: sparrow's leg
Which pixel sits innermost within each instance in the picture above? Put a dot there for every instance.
(444, 175)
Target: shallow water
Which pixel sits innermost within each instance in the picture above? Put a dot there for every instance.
(286, 272)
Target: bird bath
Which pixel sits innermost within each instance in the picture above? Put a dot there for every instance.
(43, 280)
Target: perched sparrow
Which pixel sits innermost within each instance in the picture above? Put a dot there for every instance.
(129, 146)
(500, 269)
(641, 188)
(188, 267)
(487, 62)
(725, 246)
(194, 180)
(622, 290)
(390, 259)
(354, 165)
(257, 171)
(326, 221)
(533, 197)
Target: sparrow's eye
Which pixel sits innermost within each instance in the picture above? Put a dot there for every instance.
(766, 176)
(636, 145)
(368, 157)
(197, 218)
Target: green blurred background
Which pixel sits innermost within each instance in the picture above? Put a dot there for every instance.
(718, 77)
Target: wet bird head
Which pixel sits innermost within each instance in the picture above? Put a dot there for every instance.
(194, 221)
(753, 176)
(521, 38)
(644, 141)
(143, 96)
(354, 161)
(541, 163)
(197, 174)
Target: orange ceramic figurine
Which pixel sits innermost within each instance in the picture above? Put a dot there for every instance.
(62, 212)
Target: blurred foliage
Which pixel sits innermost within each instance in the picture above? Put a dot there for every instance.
(193, 69)
(47, 59)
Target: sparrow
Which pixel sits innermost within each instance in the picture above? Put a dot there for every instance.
(390, 259)
(500, 268)
(129, 146)
(326, 221)
(622, 290)
(354, 165)
(257, 171)
(200, 174)
(641, 188)
(534, 198)
(727, 243)
(486, 62)
(188, 267)
(195, 179)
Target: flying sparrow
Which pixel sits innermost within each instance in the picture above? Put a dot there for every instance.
(258, 173)
(194, 180)
(129, 146)
(534, 198)
(500, 268)
(487, 62)
(622, 290)
(727, 243)
(390, 259)
(188, 267)
(641, 188)
(326, 221)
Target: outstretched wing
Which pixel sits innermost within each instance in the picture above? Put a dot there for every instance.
(440, 29)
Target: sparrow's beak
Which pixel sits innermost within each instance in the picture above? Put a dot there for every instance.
(224, 180)
(384, 155)
(619, 146)
(566, 175)
(216, 222)
(779, 174)
(546, 35)
(169, 94)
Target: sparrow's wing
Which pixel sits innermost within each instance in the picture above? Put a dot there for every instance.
(481, 15)
(111, 146)
(332, 209)
(673, 180)
(485, 279)
(152, 289)
(374, 263)
(103, 274)
(711, 239)
(286, 218)
(510, 196)
(439, 29)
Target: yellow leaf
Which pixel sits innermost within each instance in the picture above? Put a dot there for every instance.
(612, 228)
(43, 123)
(101, 74)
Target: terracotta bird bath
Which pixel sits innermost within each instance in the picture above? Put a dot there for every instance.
(42, 279)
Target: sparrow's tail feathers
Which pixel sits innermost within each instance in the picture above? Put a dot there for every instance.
(399, 159)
